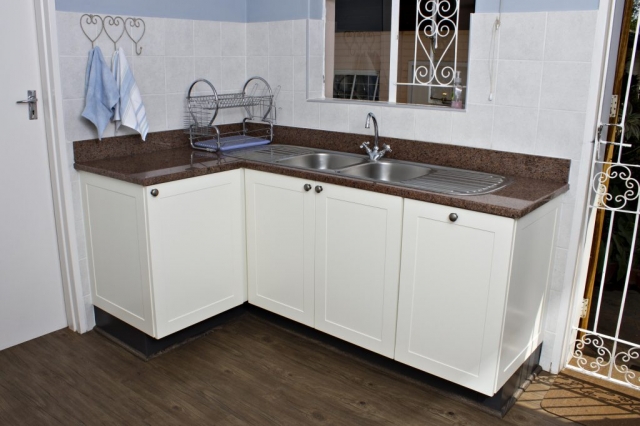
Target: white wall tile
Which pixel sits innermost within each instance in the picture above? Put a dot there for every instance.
(518, 83)
(150, 74)
(305, 114)
(481, 35)
(560, 134)
(473, 127)
(71, 40)
(478, 82)
(566, 223)
(232, 73)
(156, 109)
(207, 38)
(316, 37)
(334, 117)
(72, 76)
(570, 36)
(76, 127)
(231, 116)
(565, 86)
(209, 69)
(398, 123)
(553, 305)
(316, 72)
(358, 117)
(233, 38)
(180, 74)
(258, 65)
(176, 110)
(300, 73)
(178, 37)
(514, 129)
(258, 39)
(299, 37)
(522, 36)
(281, 38)
(281, 72)
(433, 126)
(284, 103)
(152, 42)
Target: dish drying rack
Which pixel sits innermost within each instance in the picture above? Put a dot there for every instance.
(256, 98)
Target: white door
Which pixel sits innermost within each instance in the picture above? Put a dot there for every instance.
(31, 298)
(280, 244)
(452, 292)
(358, 236)
(197, 241)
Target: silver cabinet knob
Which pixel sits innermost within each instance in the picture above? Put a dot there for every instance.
(453, 217)
(155, 192)
(307, 187)
(318, 189)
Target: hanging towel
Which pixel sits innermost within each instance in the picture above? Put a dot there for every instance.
(100, 92)
(130, 110)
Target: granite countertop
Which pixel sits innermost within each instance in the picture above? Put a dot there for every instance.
(528, 191)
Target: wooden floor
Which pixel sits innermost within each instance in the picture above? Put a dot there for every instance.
(248, 371)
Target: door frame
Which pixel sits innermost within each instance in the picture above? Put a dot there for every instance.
(59, 165)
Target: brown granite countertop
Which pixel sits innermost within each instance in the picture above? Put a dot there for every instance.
(522, 196)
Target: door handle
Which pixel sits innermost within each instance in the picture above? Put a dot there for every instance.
(32, 101)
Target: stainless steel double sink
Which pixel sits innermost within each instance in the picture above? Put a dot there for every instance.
(357, 167)
(414, 175)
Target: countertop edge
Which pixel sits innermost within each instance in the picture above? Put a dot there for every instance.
(464, 202)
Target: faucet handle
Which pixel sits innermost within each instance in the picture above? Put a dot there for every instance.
(386, 148)
(365, 145)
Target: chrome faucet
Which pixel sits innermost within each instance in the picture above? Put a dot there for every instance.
(374, 154)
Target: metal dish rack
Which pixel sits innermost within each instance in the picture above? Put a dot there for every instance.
(202, 110)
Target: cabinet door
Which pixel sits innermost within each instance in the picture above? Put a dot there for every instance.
(196, 234)
(280, 244)
(114, 215)
(358, 236)
(452, 293)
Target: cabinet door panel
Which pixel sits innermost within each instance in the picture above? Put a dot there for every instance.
(452, 293)
(357, 266)
(280, 244)
(117, 249)
(196, 229)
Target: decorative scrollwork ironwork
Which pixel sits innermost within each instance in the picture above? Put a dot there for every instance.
(601, 183)
(593, 356)
(435, 20)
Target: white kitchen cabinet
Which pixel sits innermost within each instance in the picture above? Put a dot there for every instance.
(358, 238)
(472, 291)
(162, 263)
(329, 259)
(280, 244)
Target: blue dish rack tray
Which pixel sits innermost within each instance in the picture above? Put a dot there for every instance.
(204, 103)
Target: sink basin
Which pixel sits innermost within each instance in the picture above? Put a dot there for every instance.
(322, 161)
(387, 172)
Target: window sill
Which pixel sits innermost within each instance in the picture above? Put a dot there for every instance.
(387, 104)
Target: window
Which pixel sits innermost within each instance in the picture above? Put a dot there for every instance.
(364, 62)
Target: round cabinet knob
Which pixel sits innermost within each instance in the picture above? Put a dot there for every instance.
(318, 189)
(453, 217)
(155, 192)
(307, 187)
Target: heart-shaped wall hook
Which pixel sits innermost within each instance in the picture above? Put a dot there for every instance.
(135, 23)
(87, 24)
(114, 24)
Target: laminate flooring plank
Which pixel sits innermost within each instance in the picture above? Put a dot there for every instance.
(248, 371)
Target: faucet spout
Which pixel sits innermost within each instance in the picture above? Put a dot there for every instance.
(375, 153)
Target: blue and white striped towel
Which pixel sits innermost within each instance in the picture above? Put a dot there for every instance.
(130, 110)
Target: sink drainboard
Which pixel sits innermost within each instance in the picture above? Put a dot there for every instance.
(457, 182)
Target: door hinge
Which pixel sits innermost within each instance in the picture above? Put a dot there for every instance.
(584, 308)
(613, 108)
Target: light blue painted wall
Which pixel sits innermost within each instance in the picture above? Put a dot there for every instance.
(210, 10)
(510, 6)
(279, 10)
